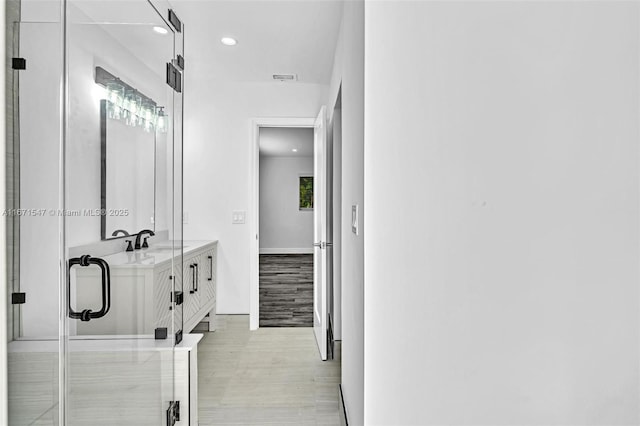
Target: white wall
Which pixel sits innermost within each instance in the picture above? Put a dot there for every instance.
(501, 176)
(218, 142)
(348, 71)
(284, 228)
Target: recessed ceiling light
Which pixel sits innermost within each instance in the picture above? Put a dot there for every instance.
(160, 30)
(294, 150)
(228, 41)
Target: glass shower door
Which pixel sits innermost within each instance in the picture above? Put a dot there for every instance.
(121, 270)
(95, 152)
(33, 194)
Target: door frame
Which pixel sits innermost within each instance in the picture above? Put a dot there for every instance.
(4, 393)
(254, 205)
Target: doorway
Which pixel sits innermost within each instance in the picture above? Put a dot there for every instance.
(322, 239)
(286, 227)
(254, 214)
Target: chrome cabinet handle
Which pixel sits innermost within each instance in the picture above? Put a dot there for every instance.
(88, 314)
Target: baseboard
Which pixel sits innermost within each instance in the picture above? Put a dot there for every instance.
(286, 250)
(342, 409)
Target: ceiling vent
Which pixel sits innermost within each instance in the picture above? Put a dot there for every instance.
(285, 77)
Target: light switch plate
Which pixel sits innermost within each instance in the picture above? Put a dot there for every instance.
(238, 217)
(185, 218)
(354, 219)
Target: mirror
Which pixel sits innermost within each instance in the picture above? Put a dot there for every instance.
(133, 133)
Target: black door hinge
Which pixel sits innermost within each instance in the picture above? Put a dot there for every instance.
(161, 333)
(18, 298)
(178, 337)
(174, 77)
(19, 63)
(179, 62)
(173, 413)
(178, 297)
(175, 21)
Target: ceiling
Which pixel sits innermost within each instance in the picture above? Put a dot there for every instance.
(279, 142)
(131, 27)
(274, 37)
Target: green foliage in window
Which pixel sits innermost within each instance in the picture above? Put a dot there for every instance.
(306, 192)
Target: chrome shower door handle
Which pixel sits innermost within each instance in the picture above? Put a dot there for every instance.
(88, 314)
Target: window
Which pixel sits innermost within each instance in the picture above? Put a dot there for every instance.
(306, 193)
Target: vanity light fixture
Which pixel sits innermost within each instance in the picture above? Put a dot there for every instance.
(228, 41)
(161, 120)
(125, 103)
(294, 150)
(161, 30)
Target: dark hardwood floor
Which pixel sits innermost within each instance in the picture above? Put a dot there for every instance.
(286, 290)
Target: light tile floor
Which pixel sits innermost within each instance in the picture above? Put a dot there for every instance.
(272, 376)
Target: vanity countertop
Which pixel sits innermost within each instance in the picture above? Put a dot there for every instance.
(155, 255)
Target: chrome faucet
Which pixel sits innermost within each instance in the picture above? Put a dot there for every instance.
(139, 235)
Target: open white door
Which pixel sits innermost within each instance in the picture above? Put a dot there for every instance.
(320, 232)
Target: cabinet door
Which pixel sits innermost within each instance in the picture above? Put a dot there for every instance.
(191, 284)
(177, 317)
(162, 299)
(208, 287)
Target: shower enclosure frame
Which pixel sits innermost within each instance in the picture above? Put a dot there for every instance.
(11, 250)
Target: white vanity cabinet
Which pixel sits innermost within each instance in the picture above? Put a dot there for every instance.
(199, 286)
(208, 288)
(141, 290)
(191, 279)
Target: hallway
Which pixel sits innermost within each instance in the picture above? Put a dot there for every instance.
(269, 376)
